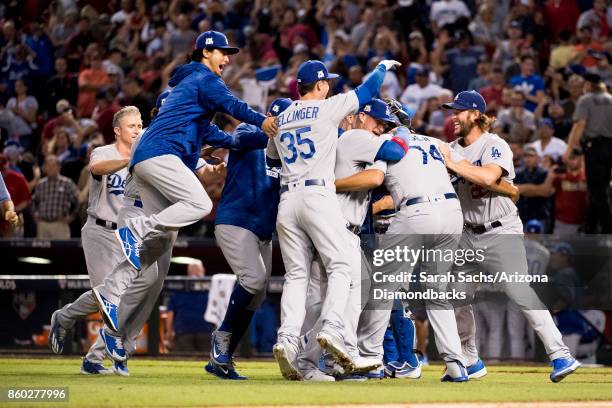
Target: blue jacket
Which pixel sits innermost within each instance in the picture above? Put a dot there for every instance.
(251, 193)
(180, 127)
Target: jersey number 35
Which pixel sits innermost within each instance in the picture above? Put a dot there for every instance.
(298, 145)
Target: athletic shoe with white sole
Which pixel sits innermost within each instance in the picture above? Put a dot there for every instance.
(405, 370)
(57, 335)
(121, 368)
(223, 372)
(364, 364)
(335, 346)
(90, 368)
(562, 367)
(286, 357)
(108, 310)
(130, 246)
(455, 372)
(114, 346)
(477, 370)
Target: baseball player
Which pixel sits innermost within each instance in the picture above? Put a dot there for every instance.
(358, 149)
(108, 168)
(492, 226)
(7, 204)
(244, 224)
(309, 214)
(163, 164)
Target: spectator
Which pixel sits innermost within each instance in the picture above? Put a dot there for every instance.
(62, 85)
(40, 43)
(103, 114)
(528, 82)
(60, 145)
(8, 122)
(597, 20)
(75, 46)
(459, 62)
(515, 124)
(62, 28)
(593, 127)
(18, 190)
(135, 96)
(55, 202)
(530, 206)
(484, 28)
(585, 45)
(575, 87)
(492, 93)
(446, 12)
(186, 325)
(418, 93)
(508, 49)
(8, 43)
(546, 143)
(564, 53)
(91, 81)
(484, 75)
(367, 23)
(180, 40)
(64, 119)
(25, 108)
(21, 67)
(440, 122)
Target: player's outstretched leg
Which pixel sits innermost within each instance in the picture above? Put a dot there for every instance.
(407, 365)
(114, 346)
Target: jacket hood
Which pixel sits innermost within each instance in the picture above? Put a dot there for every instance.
(184, 71)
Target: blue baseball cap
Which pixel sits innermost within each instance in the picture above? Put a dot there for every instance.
(161, 98)
(534, 227)
(312, 71)
(379, 110)
(279, 105)
(467, 100)
(546, 122)
(562, 248)
(214, 39)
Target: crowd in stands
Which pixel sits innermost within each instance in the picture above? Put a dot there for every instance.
(66, 66)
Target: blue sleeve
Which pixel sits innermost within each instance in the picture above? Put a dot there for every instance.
(249, 137)
(371, 87)
(4, 194)
(216, 93)
(390, 151)
(218, 138)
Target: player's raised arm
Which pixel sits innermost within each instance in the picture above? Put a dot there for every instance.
(371, 86)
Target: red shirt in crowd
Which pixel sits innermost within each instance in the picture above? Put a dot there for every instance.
(559, 15)
(492, 94)
(571, 197)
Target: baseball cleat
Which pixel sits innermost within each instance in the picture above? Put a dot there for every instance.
(219, 352)
(121, 368)
(364, 364)
(562, 367)
(316, 375)
(286, 361)
(354, 377)
(130, 246)
(223, 372)
(89, 368)
(377, 374)
(477, 370)
(56, 335)
(455, 372)
(114, 346)
(335, 347)
(108, 310)
(397, 369)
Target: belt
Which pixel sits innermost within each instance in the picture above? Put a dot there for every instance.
(138, 203)
(425, 199)
(355, 229)
(481, 229)
(106, 224)
(307, 183)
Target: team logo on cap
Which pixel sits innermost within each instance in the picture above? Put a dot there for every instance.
(474, 105)
(209, 41)
(320, 74)
(367, 108)
(275, 108)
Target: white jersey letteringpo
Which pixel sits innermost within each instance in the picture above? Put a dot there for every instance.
(106, 191)
(306, 128)
(406, 178)
(357, 150)
(479, 205)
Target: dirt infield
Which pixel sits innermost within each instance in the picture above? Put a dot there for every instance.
(572, 404)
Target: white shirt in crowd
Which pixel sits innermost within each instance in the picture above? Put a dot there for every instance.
(555, 148)
(414, 95)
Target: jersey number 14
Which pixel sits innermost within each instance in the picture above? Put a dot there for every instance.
(298, 145)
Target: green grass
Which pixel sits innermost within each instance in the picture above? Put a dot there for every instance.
(184, 383)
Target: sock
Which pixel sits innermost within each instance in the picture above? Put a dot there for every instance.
(405, 336)
(237, 313)
(240, 327)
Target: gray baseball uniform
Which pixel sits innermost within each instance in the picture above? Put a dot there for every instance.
(309, 213)
(99, 242)
(356, 151)
(432, 221)
(502, 243)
